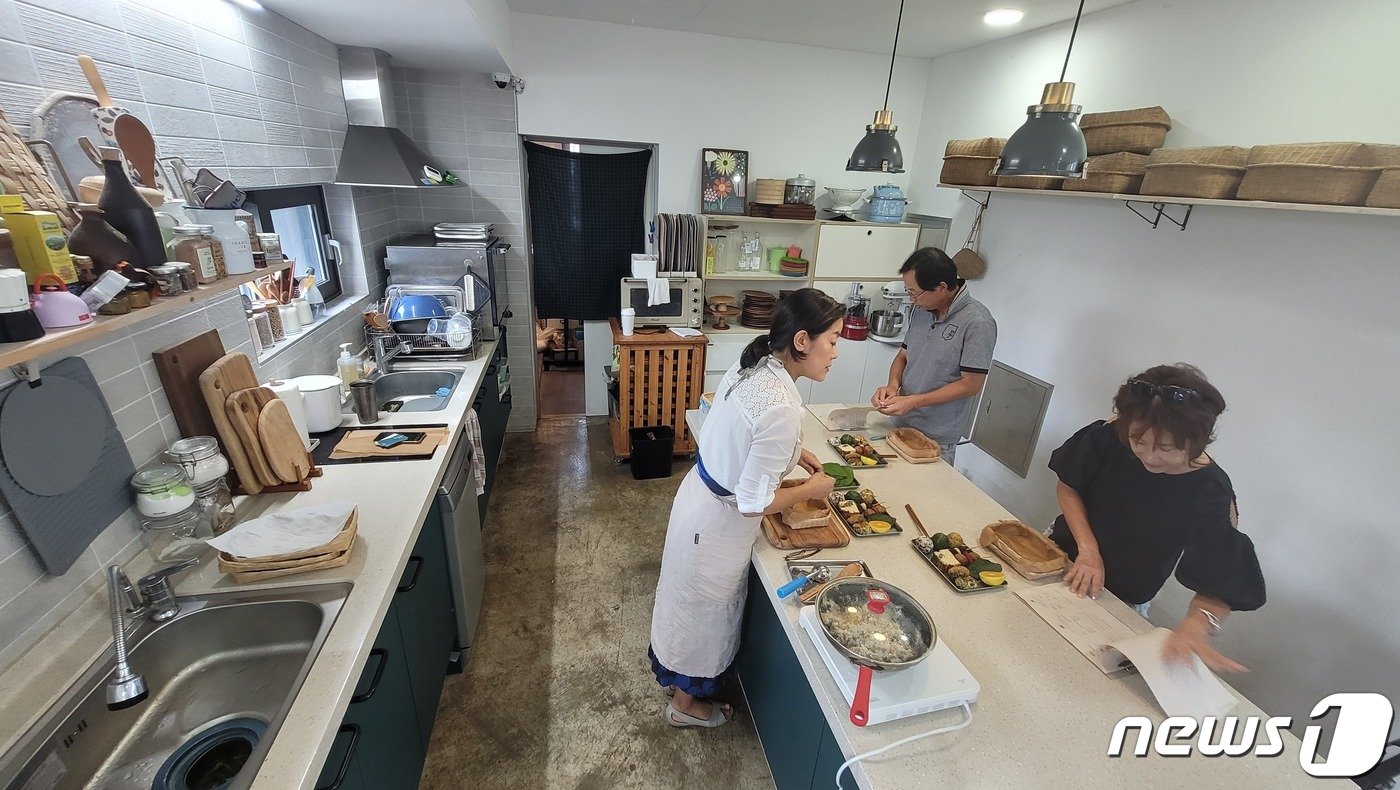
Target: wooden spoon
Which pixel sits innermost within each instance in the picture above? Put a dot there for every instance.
(140, 148)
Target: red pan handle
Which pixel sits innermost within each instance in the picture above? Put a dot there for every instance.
(860, 706)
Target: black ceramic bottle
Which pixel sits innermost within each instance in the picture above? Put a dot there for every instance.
(125, 209)
(98, 240)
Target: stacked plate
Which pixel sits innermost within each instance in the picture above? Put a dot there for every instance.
(769, 191)
(793, 267)
(757, 312)
(463, 231)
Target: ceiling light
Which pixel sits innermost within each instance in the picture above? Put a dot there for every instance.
(878, 151)
(1001, 17)
(1049, 144)
(251, 5)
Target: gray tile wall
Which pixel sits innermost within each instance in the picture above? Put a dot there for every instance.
(250, 95)
(468, 125)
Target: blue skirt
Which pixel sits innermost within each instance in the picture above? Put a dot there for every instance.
(695, 687)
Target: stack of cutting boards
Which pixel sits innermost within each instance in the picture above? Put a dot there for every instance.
(254, 425)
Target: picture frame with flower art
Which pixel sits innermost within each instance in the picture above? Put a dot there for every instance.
(724, 181)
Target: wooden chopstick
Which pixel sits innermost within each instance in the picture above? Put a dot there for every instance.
(917, 522)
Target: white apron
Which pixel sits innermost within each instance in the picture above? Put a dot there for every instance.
(704, 580)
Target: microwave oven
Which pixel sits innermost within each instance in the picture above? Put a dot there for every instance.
(686, 307)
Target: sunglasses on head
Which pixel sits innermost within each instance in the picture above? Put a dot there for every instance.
(1167, 392)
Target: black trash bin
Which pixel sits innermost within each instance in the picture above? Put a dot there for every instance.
(652, 447)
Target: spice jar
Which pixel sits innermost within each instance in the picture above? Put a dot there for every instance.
(138, 295)
(266, 310)
(168, 277)
(188, 279)
(271, 247)
(162, 491)
(196, 245)
(117, 305)
(257, 338)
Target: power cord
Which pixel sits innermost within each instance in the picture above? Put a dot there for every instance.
(966, 721)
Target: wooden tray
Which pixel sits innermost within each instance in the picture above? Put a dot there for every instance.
(243, 577)
(779, 536)
(906, 441)
(1033, 555)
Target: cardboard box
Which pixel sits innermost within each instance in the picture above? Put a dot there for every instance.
(40, 241)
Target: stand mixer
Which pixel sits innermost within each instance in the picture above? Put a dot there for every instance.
(889, 325)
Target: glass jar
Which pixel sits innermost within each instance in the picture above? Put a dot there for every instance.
(177, 537)
(800, 190)
(199, 458)
(162, 491)
(269, 307)
(117, 305)
(138, 295)
(215, 502)
(263, 326)
(188, 279)
(168, 277)
(196, 245)
(271, 247)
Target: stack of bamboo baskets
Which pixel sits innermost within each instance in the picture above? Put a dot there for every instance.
(1119, 143)
(970, 162)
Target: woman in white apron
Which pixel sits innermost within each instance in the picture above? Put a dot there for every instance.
(751, 440)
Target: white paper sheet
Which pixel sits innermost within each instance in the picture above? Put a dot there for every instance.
(1181, 689)
(288, 531)
(1083, 622)
(682, 331)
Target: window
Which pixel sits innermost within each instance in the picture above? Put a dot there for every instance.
(298, 216)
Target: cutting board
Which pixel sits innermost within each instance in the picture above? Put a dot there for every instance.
(244, 408)
(360, 444)
(281, 443)
(179, 367)
(913, 446)
(229, 374)
(831, 536)
(331, 439)
(60, 528)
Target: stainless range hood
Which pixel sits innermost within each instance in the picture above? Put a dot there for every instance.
(375, 153)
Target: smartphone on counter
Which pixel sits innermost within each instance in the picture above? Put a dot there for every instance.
(393, 438)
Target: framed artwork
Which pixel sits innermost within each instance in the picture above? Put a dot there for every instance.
(724, 181)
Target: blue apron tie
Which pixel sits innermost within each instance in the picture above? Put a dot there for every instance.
(715, 488)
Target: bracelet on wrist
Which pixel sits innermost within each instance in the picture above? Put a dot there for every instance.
(1214, 622)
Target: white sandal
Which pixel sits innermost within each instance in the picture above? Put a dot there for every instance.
(718, 716)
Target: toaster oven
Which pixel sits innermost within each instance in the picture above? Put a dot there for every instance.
(685, 308)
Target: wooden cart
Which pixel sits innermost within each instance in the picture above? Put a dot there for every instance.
(659, 377)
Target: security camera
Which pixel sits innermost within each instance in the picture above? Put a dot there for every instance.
(502, 80)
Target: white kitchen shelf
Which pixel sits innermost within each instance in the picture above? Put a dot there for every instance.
(57, 339)
(755, 276)
(1184, 201)
(724, 219)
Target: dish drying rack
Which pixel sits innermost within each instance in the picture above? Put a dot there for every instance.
(387, 344)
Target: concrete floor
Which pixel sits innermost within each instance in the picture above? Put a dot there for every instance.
(561, 392)
(559, 693)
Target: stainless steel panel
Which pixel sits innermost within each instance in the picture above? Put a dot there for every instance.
(1009, 416)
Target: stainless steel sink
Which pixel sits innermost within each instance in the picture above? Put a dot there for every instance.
(415, 390)
(222, 676)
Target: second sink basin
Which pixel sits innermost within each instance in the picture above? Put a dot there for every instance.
(415, 390)
(222, 676)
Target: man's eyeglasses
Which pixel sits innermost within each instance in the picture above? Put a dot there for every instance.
(1168, 392)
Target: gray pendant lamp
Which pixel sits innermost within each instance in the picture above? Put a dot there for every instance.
(1049, 144)
(879, 151)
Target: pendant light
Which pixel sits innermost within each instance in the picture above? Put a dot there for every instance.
(1049, 144)
(878, 151)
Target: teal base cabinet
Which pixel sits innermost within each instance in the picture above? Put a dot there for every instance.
(383, 738)
(802, 753)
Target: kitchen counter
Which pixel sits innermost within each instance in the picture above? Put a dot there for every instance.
(1045, 713)
(393, 500)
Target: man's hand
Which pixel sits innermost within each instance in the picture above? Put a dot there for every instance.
(807, 460)
(883, 395)
(1192, 637)
(897, 405)
(1085, 577)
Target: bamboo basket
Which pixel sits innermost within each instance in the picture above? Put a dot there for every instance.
(1138, 131)
(1119, 174)
(1336, 174)
(974, 171)
(1028, 182)
(977, 146)
(1211, 172)
(334, 554)
(22, 174)
(1033, 555)
(1386, 192)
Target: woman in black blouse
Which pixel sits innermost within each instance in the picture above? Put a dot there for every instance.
(1140, 497)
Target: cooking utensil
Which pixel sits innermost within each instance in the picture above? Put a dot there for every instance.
(227, 375)
(63, 119)
(878, 627)
(106, 114)
(800, 554)
(244, 407)
(61, 527)
(919, 525)
(58, 308)
(886, 323)
(817, 576)
(179, 367)
(281, 443)
(136, 142)
(849, 570)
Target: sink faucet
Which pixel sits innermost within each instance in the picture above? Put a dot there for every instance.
(152, 598)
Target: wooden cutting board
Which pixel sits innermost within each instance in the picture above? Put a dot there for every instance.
(244, 408)
(229, 374)
(913, 446)
(360, 444)
(281, 443)
(831, 536)
(179, 367)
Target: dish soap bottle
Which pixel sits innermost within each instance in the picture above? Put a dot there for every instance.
(348, 367)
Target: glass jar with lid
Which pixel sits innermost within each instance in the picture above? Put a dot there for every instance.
(162, 491)
(177, 537)
(168, 278)
(138, 296)
(196, 245)
(801, 190)
(188, 279)
(200, 459)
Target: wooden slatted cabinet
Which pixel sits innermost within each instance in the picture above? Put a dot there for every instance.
(659, 377)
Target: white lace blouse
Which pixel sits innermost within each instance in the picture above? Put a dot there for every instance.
(753, 433)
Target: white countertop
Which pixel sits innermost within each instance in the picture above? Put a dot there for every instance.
(1045, 713)
(393, 499)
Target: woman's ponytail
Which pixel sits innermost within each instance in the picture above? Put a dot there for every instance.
(756, 349)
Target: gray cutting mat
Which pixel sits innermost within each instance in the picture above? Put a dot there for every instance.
(61, 527)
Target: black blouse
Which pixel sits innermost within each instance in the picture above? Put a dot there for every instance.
(1146, 524)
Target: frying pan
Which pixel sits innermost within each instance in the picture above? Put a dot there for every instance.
(885, 613)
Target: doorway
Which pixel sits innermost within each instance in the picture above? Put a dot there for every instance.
(582, 234)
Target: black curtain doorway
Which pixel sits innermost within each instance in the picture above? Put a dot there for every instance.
(585, 221)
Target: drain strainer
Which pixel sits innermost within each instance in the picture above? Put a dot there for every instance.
(212, 758)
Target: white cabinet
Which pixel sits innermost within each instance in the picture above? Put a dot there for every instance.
(723, 350)
(864, 252)
(878, 358)
(844, 383)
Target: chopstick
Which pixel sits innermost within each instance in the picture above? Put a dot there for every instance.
(917, 522)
